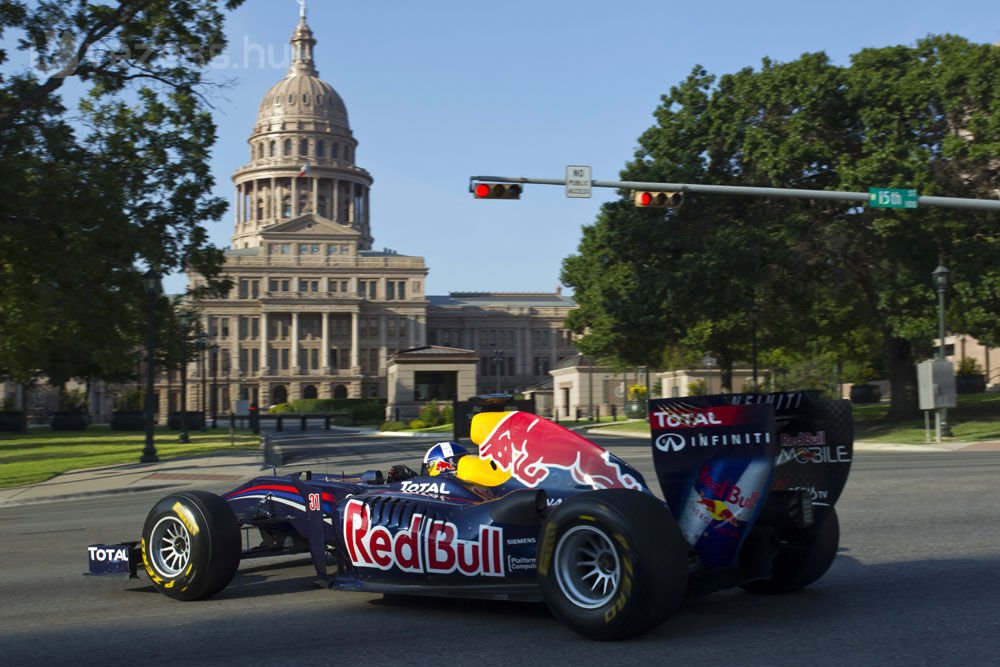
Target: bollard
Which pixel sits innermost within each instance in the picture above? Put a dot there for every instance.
(280, 424)
(302, 423)
(326, 423)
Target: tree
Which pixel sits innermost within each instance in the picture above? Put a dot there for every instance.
(851, 280)
(87, 200)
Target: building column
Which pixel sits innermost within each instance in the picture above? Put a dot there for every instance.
(421, 326)
(325, 352)
(264, 368)
(529, 354)
(335, 202)
(253, 204)
(275, 201)
(294, 361)
(295, 196)
(315, 195)
(239, 204)
(383, 348)
(411, 332)
(355, 353)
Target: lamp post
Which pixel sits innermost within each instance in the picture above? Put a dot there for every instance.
(753, 348)
(497, 365)
(151, 285)
(213, 358)
(940, 276)
(202, 351)
(185, 321)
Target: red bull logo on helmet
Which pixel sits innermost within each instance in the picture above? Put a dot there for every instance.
(529, 448)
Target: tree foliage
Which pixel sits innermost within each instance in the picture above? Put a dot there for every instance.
(90, 197)
(813, 277)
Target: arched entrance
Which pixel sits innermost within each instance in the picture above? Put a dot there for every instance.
(340, 391)
(309, 391)
(279, 394)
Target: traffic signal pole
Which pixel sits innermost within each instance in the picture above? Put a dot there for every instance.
(786, 193)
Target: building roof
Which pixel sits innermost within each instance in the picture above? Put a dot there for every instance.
(501, 300)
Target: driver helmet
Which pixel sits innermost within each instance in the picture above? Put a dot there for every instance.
(442, 458)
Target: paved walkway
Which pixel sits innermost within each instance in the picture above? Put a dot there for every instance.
(229, 468)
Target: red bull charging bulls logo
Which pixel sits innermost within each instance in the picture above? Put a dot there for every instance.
(529, 448)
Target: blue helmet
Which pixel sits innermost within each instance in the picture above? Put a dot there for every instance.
(442, 458)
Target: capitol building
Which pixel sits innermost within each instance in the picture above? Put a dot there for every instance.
(316, 311)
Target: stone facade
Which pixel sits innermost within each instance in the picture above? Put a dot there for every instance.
(315, 311)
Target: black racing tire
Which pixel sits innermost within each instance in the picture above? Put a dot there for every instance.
(804, 555)
(191, 545)
(612, 563)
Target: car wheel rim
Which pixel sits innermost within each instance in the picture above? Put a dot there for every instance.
(170, 546)
(587, 567)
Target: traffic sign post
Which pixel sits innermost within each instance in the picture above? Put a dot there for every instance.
(578, 182)
(892, 198)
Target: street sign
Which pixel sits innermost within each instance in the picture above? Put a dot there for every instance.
(892, 198)
(578, 181)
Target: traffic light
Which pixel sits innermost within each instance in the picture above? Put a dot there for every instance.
(496, 190)
(648, 199)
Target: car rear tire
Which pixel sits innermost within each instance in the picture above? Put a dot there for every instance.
(191, 545)
(804, 555)
(612, 563)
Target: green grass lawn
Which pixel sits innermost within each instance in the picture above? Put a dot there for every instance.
(976, 418)
(40, 454)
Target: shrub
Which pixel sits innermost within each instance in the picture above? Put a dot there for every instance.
(392, 426)
(969, 366)
(418, 424)
(697, 388)
(130, 401)
(73, 401)
(434, 415)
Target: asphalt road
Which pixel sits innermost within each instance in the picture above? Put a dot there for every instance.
(916, 583)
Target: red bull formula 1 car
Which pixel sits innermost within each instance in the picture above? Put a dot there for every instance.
(541, 513)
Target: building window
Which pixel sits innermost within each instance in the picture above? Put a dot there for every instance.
(224, 327)
(333, 151)
(273, 149)
(248, 289)
(287, 147)
(309, 284)
(320, 146)
(286, 206)
(303, 147)
(279, 285)
(367, 289)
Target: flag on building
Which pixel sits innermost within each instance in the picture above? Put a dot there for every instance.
(304, 171)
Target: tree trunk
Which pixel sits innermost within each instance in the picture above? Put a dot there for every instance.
(902, 378)
(726, 372)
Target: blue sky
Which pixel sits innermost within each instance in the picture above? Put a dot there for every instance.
(442, 90)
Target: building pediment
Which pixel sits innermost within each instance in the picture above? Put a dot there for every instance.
(311, 225)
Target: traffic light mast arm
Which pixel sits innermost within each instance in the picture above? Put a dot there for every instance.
(787, 193)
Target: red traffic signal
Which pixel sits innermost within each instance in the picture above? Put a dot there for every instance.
(497, 191)
(654, 199)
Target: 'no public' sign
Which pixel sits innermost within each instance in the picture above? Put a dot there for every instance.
(578, 181)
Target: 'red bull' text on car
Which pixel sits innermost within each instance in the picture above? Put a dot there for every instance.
(541, 513)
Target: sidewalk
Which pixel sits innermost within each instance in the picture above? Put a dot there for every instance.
(219, 468)
(230, 468)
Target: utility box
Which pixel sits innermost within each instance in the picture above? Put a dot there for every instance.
(936, 384)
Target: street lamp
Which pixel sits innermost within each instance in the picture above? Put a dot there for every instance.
(202, 350)
(185, 321)
(151, 285)
(940, 276)
(753, 350)
(213, 358)
(497, 365)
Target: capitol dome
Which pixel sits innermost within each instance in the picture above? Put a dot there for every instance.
(302, 95)
(302, 156)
